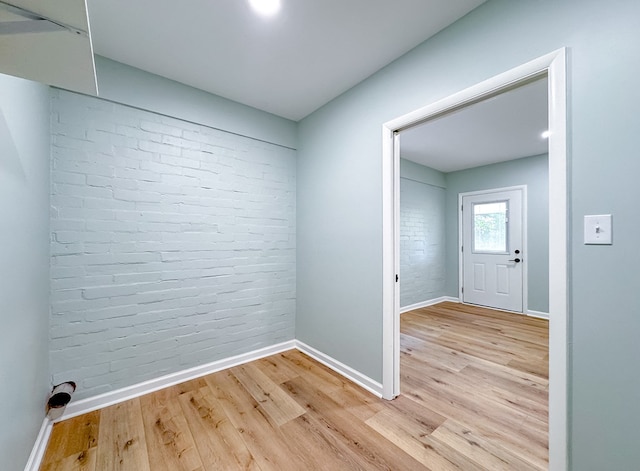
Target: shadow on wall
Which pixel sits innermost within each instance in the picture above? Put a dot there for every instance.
(9, 156)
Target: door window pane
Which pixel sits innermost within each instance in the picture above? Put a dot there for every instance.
(490, 227)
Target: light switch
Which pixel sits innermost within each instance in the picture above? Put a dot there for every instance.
(597, 229)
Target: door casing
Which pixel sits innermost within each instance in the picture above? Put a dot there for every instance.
(554, 66)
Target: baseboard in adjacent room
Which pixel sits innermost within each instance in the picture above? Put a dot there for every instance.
(429, 302)
(541, 315)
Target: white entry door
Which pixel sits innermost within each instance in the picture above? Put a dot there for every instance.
(492, 249)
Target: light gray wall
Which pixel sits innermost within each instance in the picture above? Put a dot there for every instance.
(24, 266)
(420, 173)
(134, 87)
(173, 244)
(530, 171)
(422, 234)
(423, 212)
(339, 301)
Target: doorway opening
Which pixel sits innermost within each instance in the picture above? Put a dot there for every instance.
(553, 66)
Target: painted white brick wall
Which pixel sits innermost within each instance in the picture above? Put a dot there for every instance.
(422, 242)
(172, 244)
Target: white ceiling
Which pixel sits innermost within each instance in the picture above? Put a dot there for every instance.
(288, 65)
(505, 127)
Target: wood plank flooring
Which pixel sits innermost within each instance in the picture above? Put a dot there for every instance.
(474, 397)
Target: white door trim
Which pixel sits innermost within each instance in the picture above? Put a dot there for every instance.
(525, 245)
(555, 67)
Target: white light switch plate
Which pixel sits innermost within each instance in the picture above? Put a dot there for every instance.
(597, 229)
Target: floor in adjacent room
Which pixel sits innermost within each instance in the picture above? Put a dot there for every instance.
(474, 386)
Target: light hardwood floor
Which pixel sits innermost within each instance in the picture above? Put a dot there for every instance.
(474, 397)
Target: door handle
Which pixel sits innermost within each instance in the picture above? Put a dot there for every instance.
(517, 260)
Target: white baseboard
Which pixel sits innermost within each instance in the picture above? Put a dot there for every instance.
(541, 315)
(120, 395)
(429, 302)
(90, 404)
(355, 376)
(40, 446)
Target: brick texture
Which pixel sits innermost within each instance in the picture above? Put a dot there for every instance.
(172, 244)
(422, 242)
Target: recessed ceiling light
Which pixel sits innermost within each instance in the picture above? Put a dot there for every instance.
(546, 134)
(265, 7)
